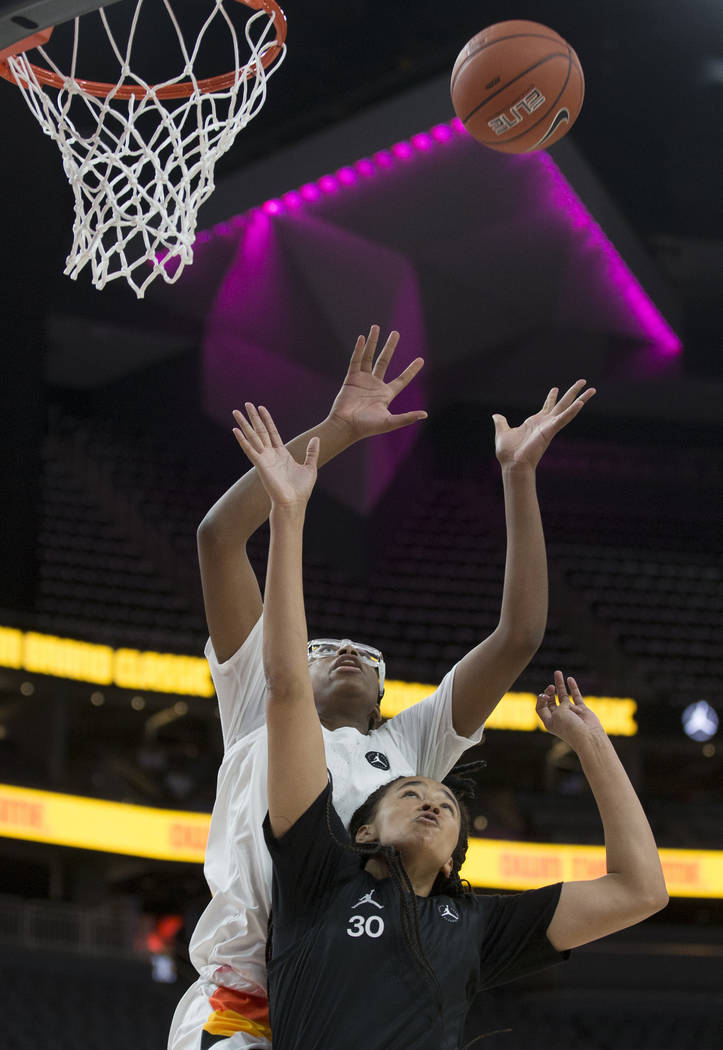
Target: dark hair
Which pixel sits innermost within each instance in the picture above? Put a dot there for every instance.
(452, 886)
(461, 784)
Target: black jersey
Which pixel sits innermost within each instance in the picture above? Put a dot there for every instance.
(341, 975)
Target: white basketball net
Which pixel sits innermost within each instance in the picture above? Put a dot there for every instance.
(137, 195)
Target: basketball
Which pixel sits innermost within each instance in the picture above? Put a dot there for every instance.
(517, 87)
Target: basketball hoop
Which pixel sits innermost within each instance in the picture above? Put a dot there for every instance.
(142, 171)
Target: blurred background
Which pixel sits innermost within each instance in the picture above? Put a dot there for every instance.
(353, 199)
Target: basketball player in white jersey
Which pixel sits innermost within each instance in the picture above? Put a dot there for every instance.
(227, 1008)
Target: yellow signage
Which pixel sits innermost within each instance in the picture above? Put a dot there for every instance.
(189, 676)
(165, 834)
(102, 665)
(497, 864)
(516, 711)
(111, 827)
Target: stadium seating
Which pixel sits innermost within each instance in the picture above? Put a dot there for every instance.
(646, 569)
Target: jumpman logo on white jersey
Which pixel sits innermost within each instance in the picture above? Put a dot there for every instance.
(367, 899)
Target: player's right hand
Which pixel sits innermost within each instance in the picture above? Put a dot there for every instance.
(287, 482)
(362, 404)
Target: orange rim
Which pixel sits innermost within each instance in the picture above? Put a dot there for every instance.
(183, 90)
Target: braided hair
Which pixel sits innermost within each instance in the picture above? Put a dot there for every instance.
(459, 781)
(462, 785)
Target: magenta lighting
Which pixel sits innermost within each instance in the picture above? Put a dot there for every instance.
(564, 197)
(555, 189)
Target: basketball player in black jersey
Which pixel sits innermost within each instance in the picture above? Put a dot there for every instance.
(375, 956)
(228, 1002)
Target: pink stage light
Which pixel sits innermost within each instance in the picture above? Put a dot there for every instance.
(556, 191)
(328, 184)
(365, 167)
(422, 142)
(402, 150)
(441, 133)
(384, 159)
(560, 194)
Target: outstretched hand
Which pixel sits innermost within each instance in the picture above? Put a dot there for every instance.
(363, 402)
(570, 719)
(286, 482)
(524, 446)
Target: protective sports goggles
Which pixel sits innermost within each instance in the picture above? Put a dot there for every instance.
(321, 648)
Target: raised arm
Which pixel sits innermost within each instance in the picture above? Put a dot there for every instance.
(231, 592)
(485, 674)
(634, 887)
(297, 764)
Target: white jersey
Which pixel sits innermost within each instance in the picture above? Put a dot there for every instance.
(228, 945)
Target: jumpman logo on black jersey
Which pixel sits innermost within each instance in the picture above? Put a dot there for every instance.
(448, 912)
(367, 899)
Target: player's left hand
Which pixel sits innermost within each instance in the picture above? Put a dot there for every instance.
(362, 404)
(524, 446)
(571, 719)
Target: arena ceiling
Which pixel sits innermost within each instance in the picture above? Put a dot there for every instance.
(649, 133)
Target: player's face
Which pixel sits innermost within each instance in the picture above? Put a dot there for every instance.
(418, 815)
(345, 681)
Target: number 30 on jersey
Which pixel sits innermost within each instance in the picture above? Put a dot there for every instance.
(371, 926)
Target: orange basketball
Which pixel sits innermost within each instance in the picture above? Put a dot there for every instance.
(517, 87)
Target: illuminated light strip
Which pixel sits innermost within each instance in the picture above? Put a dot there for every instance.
(496, 864)
(110, 827)
(516, 711)
(79, 661)
(101, 665)
(640, 305)
(553, 184)
(163, 834)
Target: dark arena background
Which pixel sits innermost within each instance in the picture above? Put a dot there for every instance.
(352, 198)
